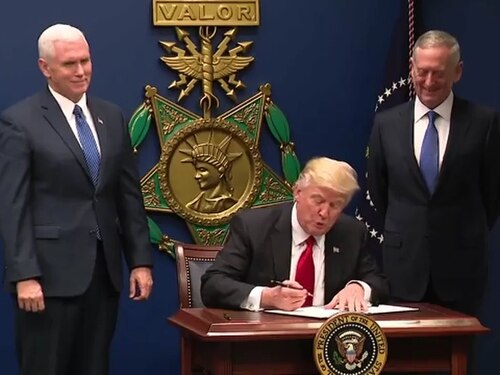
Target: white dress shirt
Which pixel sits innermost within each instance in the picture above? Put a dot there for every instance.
(67, 107)
(299, 237)
(442, 122)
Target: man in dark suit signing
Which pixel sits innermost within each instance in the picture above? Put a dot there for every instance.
(433, 176)
(309, 245)
(70, 207)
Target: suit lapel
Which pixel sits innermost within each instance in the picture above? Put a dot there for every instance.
(333, 262)
(281, 244)
(458, 132)
(407, 120)
(55, 117)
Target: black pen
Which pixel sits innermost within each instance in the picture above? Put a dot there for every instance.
(282, 284)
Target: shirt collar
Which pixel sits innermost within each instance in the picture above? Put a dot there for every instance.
(67, 106)
(443, 110)
(299, 235)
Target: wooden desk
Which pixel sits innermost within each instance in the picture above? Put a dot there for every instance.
(242, 342)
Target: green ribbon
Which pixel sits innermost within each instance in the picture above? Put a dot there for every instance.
(139, 124)
(278, 124)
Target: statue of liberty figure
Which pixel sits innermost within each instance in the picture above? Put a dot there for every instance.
(212, 163)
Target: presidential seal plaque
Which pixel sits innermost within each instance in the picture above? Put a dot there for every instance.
(350, 344)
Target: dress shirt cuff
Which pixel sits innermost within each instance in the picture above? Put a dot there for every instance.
(367, 288)
(252, 302)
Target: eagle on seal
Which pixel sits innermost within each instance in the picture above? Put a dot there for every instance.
(350, 346)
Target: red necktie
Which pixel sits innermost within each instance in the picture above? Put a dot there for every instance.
(305, 269)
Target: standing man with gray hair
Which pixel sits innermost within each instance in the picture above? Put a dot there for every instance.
(71, 206)
(433, 175)
(309, 247)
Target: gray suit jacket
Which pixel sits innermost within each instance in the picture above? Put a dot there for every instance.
(49, 206)
(440, 237)
(259, 250)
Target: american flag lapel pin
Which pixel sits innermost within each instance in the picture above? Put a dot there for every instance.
(336, 250)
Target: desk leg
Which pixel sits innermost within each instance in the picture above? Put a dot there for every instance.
(459, 347)
(186, 356)
(222, 363)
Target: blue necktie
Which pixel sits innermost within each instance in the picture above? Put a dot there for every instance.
(429, 155)
(88, 143)
(89, 148)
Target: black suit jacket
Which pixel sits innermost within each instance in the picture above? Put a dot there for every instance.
(440, 237)
(259, 250)
(50, 208)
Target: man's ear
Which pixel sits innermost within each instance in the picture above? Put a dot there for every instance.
(296, 192)
(458, 71)
(44, 67)
(412, 69)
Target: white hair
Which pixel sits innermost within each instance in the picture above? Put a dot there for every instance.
(438, 38)
(58, 32)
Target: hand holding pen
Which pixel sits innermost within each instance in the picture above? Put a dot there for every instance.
(284, 295)
(291, 286)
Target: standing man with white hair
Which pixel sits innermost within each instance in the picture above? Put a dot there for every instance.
(433, 175)
(71, 206)
(308, 245)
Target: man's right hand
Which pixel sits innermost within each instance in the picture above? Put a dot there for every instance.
(30, 295)
(284, 298)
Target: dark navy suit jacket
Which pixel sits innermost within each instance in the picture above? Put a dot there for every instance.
(440, 237)
(259, 250)
(50, 207)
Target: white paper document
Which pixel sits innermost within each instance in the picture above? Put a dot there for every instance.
(321, 313)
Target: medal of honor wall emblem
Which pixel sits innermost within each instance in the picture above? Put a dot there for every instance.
(209, 171)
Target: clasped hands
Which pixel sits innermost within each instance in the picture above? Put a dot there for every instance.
(350, 298)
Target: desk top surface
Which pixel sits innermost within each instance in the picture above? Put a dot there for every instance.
(218, 324)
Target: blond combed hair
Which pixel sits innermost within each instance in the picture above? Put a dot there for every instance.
(334, 174)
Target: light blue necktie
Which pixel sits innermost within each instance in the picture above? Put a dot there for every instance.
(89, 148)
(88, 143)
(429, 155)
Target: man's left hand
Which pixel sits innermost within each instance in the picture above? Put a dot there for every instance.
(141, 283)
(351, 298)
